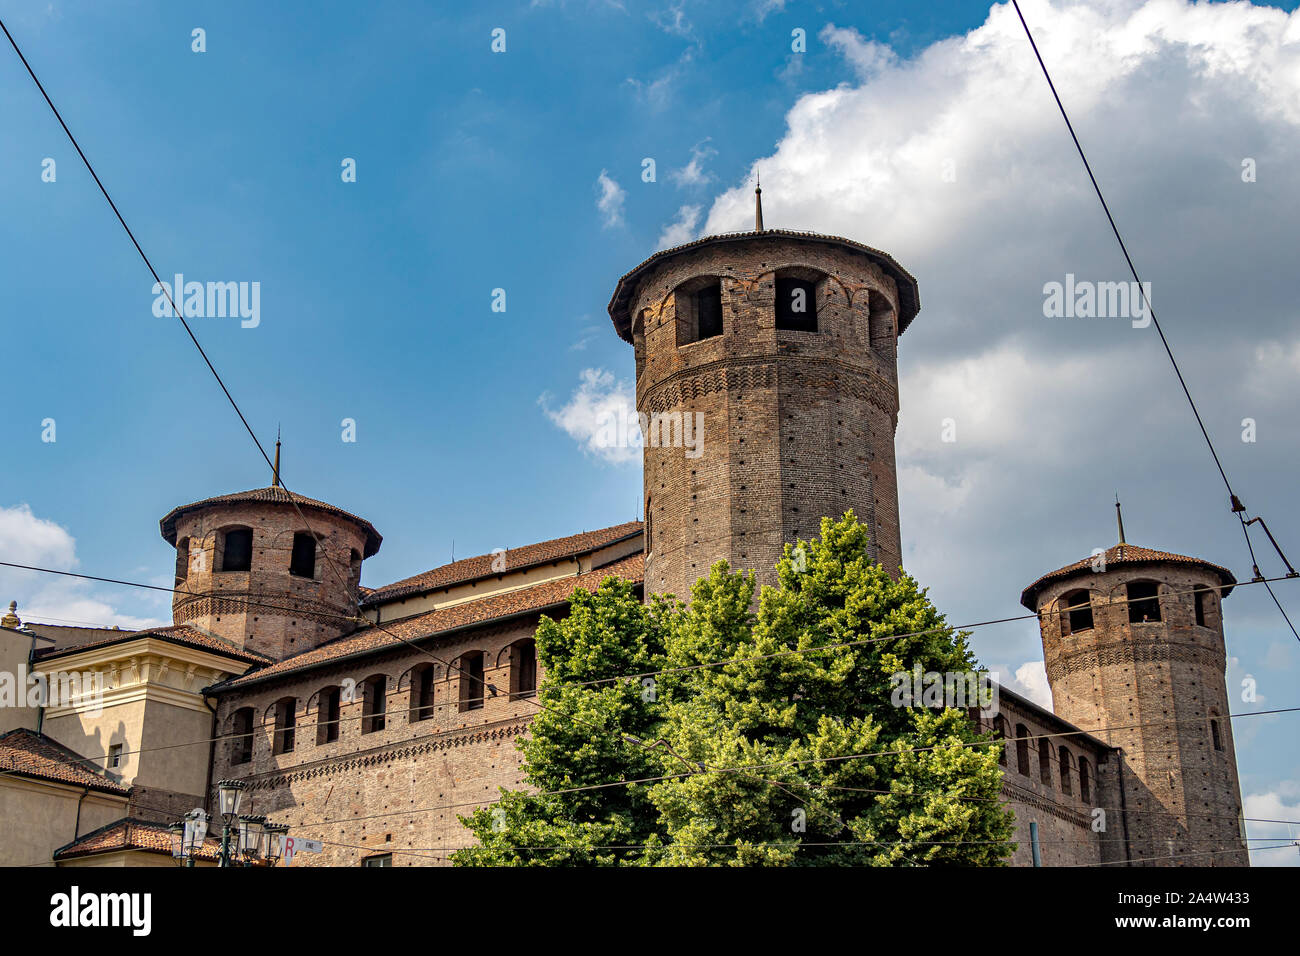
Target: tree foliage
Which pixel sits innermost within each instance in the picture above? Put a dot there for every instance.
(792, 752)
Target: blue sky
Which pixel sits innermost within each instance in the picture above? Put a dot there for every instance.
(478, 171)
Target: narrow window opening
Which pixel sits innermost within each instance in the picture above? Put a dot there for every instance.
(373, 704)
(796, 305)
(285, 720)
(1078, 611)
(327, 721)
(302, 564)
(1022, 749)
(422, 693)
(472, 689)
(1144, 602)
(237, 551)
(242, 736)
(523, 669)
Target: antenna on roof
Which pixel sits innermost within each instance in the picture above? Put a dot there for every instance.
(1119, 516)
(758, 202)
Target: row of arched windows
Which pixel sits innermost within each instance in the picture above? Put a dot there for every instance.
(1067, 768)
(1142, 599)
(374, 697)
(234, 552)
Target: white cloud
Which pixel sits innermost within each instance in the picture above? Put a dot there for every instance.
(681, 229)
(1031, 681)
(867, 57)
(601, 416)
(694, 173)
(1279, 803)
(610, 198)
(39, 542)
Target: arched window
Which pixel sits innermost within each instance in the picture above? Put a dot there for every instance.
(285, 720)
(1216, 732)
(182, 560)
(1045, 761)
(327, 716)
(1076, 612)
(1144, 602)
(1085, 780)
(302, 563)
(422, 692)
(1022, 749)
(649, 528)
(241, 736)
(523, 669)
(236, 549)
(472, 686)
(1000, 734)
(374, 702)
(1067, 769)
(796, 304)
(698, 303)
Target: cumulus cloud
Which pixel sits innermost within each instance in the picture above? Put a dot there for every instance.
(957, 163)
(1278, 804)
(681, 229)
(26, 538)
(1031, 681)
(694, 173)
(610, 197)
(601, 416)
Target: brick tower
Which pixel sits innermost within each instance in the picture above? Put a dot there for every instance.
(776, 351)
(1134, 648)
(253, 547)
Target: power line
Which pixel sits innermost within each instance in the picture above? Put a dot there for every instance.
(1238, 508)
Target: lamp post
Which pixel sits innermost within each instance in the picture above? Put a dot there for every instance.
(254, 839)
(188, 836)
(230, 794)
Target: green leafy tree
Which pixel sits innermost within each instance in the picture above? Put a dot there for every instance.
(793, 752)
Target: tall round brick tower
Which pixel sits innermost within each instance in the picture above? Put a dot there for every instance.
(1134, 648)
(249, 570)
(772, 354)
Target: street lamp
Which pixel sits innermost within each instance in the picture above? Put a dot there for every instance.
(251, 827)
(188, 835)
(274, 839)
(230, 794)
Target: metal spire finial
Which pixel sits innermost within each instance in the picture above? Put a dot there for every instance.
(275, 472)
(1119, 517)
(758, 203)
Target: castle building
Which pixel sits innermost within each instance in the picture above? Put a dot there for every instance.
(778, 350)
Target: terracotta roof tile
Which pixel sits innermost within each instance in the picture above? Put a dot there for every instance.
(273, 495)
(372, 640)
(183, 634)
(480, 566)
(1124, 554)
(132, 834)
(29, 754)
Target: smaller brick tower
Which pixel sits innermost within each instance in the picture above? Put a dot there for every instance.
(252, 546)
(774, 351)
(1134, 648)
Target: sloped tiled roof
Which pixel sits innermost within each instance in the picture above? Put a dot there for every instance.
(29, 754)
(131, 834)
(1124, 555)
(909, 297)
(480, 566)
(182, 634)
(369, 640)
(272, 495)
